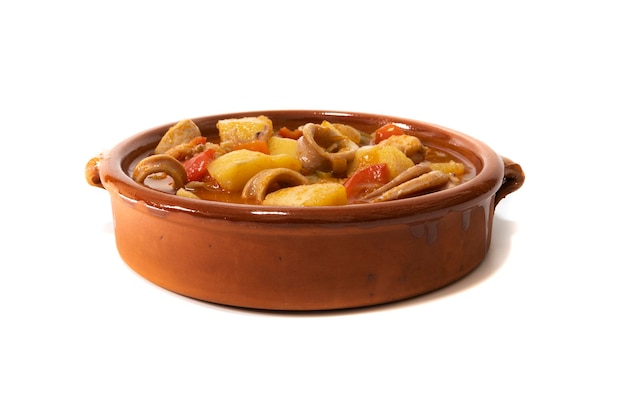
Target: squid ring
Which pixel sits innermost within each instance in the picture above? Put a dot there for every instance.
(161, 163)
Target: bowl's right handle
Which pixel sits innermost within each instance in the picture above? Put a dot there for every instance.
(513, 179)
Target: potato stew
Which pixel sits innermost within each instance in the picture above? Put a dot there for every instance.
(326, 164)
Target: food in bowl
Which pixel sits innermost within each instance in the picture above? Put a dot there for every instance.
(253, 161)
(274, 256)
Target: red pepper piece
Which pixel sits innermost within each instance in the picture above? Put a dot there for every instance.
(366, 180)
(387, 131)
(197, 165)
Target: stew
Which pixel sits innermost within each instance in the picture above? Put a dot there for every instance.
(318, 164)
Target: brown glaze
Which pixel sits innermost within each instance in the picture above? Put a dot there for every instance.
(306, 258)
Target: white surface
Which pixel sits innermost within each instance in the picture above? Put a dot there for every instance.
(536, 330)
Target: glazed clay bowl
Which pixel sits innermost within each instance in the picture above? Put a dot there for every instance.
(306, 258)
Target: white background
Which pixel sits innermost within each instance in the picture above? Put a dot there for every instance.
(537, 329)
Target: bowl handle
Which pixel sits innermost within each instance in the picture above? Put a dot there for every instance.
(513, 179)
(92, 172)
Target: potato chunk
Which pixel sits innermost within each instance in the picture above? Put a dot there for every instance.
(451, 167)
(283, 146)
(182, 132)
(318, 194)
(234, 169)
(409, 145)
(234, 132)
(395, 159)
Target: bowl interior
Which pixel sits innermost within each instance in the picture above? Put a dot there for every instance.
(479, 157)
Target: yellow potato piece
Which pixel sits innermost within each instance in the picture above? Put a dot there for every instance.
(282, 146)
(409, 145)
(181, 132)
(319, 194)
(452, 167)
(234, 169)
(246, 129)
(395, 159)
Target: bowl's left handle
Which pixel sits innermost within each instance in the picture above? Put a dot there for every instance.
(92, 172)
(513, 179)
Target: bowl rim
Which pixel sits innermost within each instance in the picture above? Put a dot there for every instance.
(488, 179)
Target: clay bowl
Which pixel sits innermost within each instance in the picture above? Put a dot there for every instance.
(298, 258)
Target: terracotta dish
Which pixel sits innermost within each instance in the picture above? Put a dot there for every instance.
(306, 258)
